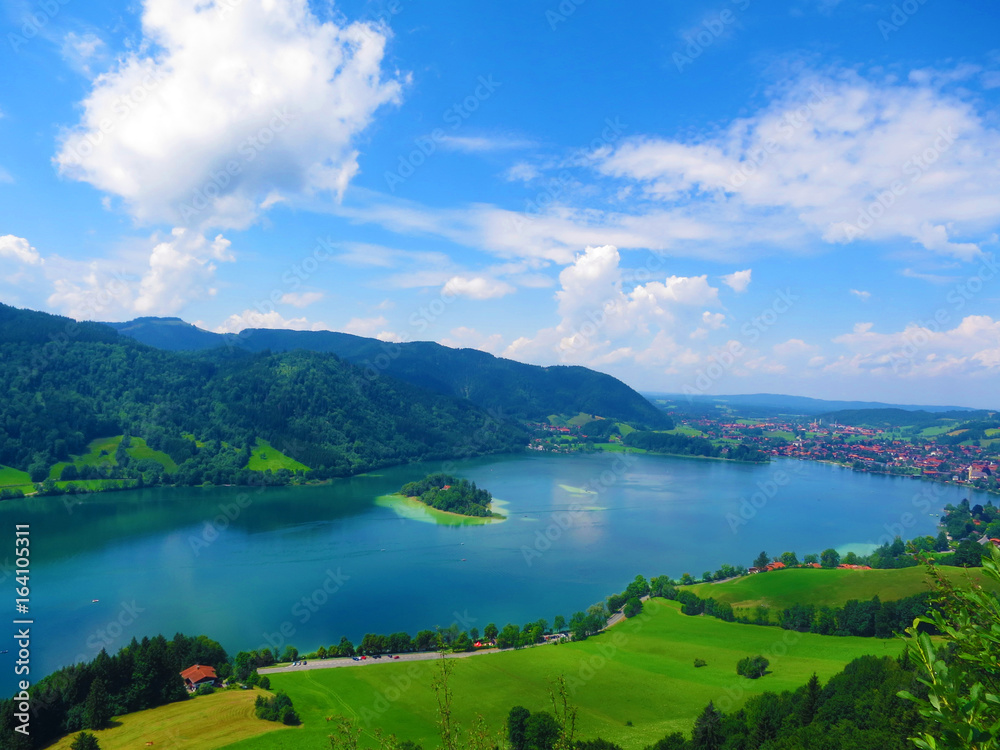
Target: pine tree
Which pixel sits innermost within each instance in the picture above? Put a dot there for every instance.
(707, 732)
(810, 701)
(96, 713)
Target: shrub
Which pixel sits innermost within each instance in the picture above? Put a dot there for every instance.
(700, 663)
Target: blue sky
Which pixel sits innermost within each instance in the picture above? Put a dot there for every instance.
(735, 197)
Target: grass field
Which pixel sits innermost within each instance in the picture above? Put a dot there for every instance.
(938, 430)
(625, 429)
(101, 452)
(207, 722)
(265, 456)
(820, 586)
(683, 429)
(139, 451)
(640, 671)
(15, 479)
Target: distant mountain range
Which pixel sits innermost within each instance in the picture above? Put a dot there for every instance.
(772, 404)
(503, 387)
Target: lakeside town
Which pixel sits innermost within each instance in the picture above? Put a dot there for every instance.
(953, 453)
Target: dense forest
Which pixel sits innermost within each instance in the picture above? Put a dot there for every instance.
(141, 675)
(503, 387)
(448, 493)
(66, 384)
(682, 445)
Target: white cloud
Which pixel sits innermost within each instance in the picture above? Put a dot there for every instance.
(794, 348)
(522, 172)
(824, 151)
(923, 349)
(212, 116)
(477, 287)
(295, 299)
(19, 250)
(365, 326)
(80, 51)
(738, 281)
(861, 294)
(600, 322)
(476, 144)
(256, 319)
(176, 271)
(180, 269)
(5, 176)
(465, 337)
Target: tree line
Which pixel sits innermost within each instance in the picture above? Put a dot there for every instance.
(683, 445)
(144, 674)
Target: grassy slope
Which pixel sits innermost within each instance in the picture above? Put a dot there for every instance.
(784, 588)
(640, 671)
(15, 479)
(137, 449)
(204, 723)
(684, 429)
(265, 456)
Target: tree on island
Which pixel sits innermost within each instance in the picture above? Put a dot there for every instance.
(450, 494)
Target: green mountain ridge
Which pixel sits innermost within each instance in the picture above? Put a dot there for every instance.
(67, 383)
(505, 388)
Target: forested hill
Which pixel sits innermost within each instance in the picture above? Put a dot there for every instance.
(65, 384)
(503, 387)
(889, 418)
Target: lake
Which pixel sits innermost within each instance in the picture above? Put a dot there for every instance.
(306, 565)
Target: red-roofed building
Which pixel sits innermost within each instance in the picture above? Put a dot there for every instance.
(198, 675)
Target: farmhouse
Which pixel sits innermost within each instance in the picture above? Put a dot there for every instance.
(198, 675)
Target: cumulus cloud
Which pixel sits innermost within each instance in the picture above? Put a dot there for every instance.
(602, 321)
(212, 117)
(477, 287)
(19, 250)
(923, 349)
(178, 269)
(861, 294)
(738, 281)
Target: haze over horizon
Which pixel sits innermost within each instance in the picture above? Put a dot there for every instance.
(733, 199)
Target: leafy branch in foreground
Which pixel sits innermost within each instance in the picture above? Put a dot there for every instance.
(961, 674)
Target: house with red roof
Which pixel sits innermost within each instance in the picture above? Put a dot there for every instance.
(198, 675)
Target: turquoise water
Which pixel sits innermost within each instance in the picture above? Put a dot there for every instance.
(307, 565)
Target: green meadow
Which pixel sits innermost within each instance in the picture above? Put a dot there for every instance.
(640, 671)
(204, 723)
(822, 586)
(15, 479)
(265, 456)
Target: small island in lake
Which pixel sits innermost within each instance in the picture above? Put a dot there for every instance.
(451, 495)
